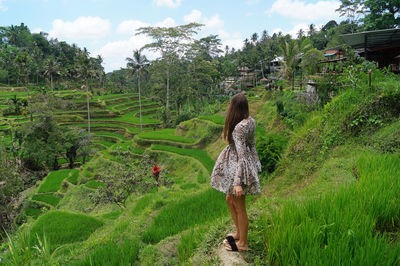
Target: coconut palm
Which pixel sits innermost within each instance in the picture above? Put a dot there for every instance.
(137, 65)
(52, 67)
(84, 67)
(291, 55)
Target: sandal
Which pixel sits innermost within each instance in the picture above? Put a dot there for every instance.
(232, 244)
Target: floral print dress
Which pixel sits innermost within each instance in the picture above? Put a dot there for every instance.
(238, 164)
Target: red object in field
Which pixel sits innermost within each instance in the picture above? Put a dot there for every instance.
(156, 170)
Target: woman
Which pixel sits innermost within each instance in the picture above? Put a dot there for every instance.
(236, 170)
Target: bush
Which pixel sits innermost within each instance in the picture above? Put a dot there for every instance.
(269, 149)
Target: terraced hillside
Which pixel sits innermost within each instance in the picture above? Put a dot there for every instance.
(114, 117)
(158, 215)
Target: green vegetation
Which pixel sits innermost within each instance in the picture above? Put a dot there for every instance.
(47, 198)
(165, 134)
(352, 224)
(52, 182)
(186, 213)
(123, 252)
(73, 177)
(200, 155)
(63, 227)
(217, 119)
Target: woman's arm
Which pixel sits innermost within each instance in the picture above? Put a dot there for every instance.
(253, 150)
(238, 136)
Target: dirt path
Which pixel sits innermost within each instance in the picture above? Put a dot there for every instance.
(229, 258)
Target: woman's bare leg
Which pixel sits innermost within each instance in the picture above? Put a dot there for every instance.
(229, 200)
(239, 204)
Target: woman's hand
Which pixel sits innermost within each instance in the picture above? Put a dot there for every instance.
(237, 191)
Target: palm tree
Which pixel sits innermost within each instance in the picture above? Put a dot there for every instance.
(290, 50)
(84, 69)
(137, 64)
(52, 67)
(300, 34)
(291, 56)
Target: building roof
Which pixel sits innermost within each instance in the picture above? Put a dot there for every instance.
(372, 39)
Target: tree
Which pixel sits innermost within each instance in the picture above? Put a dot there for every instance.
(300, 34)
(171, 43)
(131, 176)
(377, 14)
(51, 68)
(310, 59)
(137, 64)
(84, 68)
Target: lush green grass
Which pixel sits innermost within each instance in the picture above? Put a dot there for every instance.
(94, 184)
(217, 119)
(198, 154)
(132, 118)
(103, 125)
(189, 242)
(47, 198)
(63, 227)
(353, 226)
(52, 182)
(73, 176)
(199, 209)
(110, 134)
(33, 212)
(114, 253)
(165, 134)
(142, 203)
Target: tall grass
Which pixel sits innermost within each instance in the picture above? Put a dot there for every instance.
(349, 227)
(165, 134)
(199, 209)
(198, 154)
(217, 119)
(73, 176)
(47, 198)
(189, 242)
(64, 227)
(114, 254)
(53, 181)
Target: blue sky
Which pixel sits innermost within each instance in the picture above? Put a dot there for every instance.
(107, 27)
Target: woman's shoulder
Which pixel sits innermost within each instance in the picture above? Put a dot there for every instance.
(245, 122)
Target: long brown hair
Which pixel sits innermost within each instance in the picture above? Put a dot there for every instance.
(237, 111)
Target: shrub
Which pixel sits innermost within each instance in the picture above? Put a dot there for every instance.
(269, 149)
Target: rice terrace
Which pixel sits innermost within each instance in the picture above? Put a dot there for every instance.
(113, 116)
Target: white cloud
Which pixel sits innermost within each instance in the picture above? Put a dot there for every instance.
(83, 28)
(213, 22)
(194, 16)
(168, 22)
(37, 30)
(305, 11)
(168, 3)
(2, 6)
(128, 27)
(114, 53)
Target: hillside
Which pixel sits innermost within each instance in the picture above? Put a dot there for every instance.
(330, 187)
